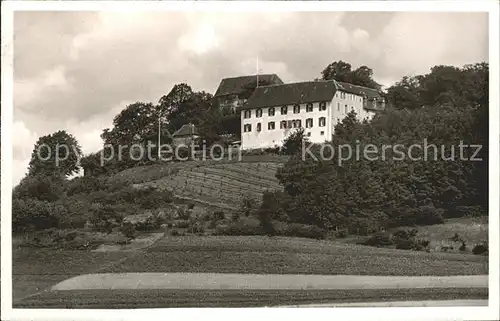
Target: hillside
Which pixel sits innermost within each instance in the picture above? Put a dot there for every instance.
(221, 184)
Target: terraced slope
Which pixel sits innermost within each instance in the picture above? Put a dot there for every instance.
(221, 184)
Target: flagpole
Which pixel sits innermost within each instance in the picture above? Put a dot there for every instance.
(257, 71)
(159, 136)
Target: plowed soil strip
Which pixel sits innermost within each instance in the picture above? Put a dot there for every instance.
(114, 299)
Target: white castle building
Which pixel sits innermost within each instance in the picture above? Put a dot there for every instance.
(273, 112)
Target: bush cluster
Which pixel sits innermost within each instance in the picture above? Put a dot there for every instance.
(481, 249)
(403, 239)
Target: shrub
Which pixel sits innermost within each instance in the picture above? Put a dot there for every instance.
(79, 211)
(280, 228)
(174, 233)
(105, 218)
(146, 225)
(219, 215)
(86, 184)
(405, 234)
(212, 225)
(247, 206)
(421, 245)
(266, 223)
(406, 240)
(480, 249)
(308, 231)
(40, 187)
(197, 228)
(273, 206)
(128, 230)
(456, 238)
(33, 214)
(153, 198)
(293, 143)
(379, 239)
(462, 247)
(183, 213)
(411, 244)
(235, 217)
(181, 223)
(341, 233)
(404, 244)
(56, 238)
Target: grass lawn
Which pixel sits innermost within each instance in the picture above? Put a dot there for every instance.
(102, 299)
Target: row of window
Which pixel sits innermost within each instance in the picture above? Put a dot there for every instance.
(284, 110)
(287, 124)
(346, 108)
(344, 95)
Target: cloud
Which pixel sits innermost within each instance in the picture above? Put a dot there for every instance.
(22, 140)
(414, 42)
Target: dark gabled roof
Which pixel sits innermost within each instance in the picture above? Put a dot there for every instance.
(374, 96)
(289, 94)
(186, 130)
(236, 85)
(358, 90)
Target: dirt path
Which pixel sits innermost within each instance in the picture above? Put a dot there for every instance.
(223, 281)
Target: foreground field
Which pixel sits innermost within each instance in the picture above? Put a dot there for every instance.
(35, 270)
(105, 299)
(281, 255)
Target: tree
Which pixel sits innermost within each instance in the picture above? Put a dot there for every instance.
(338, 70)
(444, 85)
(170, 102)
(182, 106)
(341, 71)
(190, 111)
(55, 154)
(405, 93)
(293, 143)
(132, 125)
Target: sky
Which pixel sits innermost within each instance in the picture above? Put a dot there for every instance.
(75, 71)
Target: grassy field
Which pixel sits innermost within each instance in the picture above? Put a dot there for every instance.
(102, 299)
(35, 270)
(282, 255)
(473, 230)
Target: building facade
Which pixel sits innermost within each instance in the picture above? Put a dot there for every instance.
(186, 135)
(273, 112)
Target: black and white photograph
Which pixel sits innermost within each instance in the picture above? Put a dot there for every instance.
(266, 154)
